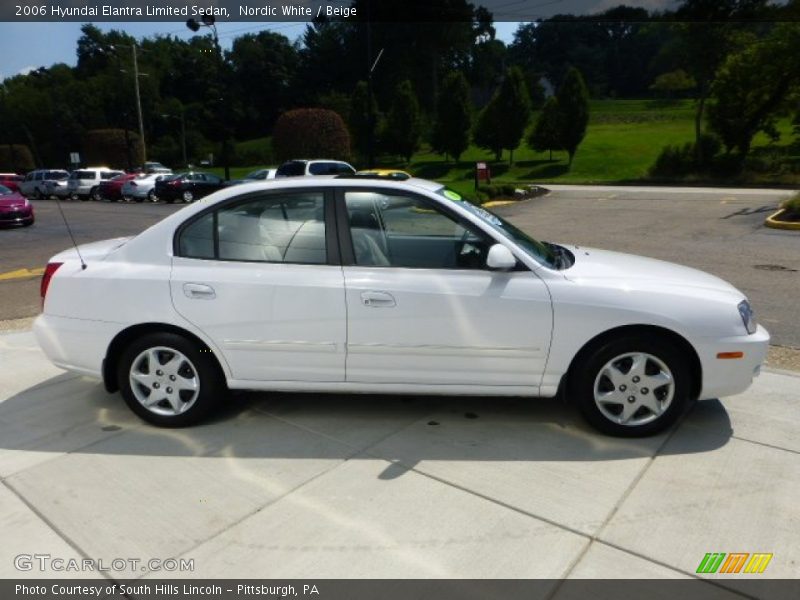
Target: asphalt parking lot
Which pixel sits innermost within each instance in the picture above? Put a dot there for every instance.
(299, 485)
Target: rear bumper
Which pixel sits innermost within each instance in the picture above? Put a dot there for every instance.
(727, 376)
(76, 345)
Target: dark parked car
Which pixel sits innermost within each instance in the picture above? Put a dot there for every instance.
(111, 189)
(15, 209)
(187, 187)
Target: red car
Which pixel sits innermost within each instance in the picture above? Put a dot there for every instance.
(11, 181)
(14, 208)
(111, 189)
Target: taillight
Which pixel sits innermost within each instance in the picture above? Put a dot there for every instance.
(49, 270)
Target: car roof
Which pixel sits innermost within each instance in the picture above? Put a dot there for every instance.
(333, 181)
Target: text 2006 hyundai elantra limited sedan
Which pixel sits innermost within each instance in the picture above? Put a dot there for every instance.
(369, 285)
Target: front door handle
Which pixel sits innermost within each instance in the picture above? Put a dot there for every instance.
(377, 299)
(199, 291)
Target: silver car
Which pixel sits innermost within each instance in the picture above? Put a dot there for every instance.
(142, 187)
(37, 183)
(85, 183)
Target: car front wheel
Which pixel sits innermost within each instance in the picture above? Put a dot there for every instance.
(632, 387)
(188, 196)
(168, 380)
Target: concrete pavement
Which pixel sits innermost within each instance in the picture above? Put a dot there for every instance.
(303, 485)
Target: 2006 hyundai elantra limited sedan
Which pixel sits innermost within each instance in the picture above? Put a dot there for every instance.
(366, 285)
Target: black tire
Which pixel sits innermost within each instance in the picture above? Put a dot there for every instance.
(581, 388)
(94, 194)
(211, 381)
(187, 196)
(151, 196)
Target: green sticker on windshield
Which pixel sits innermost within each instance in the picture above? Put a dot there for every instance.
(450, 194)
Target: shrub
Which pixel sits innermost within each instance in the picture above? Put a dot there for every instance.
(310, 133)
(679, 161)
(110, 147)
(792, 205)
(16, 158)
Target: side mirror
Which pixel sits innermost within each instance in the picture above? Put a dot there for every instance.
(500, 258)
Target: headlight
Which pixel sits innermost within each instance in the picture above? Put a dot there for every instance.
(748, 316)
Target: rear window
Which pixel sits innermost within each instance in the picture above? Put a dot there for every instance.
(4, 191)
(292, 169)
(330, 168)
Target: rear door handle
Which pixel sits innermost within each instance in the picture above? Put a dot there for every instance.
(199, 291)
(377, 299)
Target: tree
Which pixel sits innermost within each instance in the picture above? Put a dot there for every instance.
(454, 117)
(363, 111)
(573, 106)
(546, 134)
(487, 129)
(310, 132)
(708, 31)
(752, 86)
(673, 82)
(515, 104)
(403, 123)
(503, 121)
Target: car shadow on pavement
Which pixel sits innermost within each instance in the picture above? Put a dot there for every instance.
(69, 414)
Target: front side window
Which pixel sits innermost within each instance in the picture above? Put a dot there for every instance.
(285, 228)
(406, 231)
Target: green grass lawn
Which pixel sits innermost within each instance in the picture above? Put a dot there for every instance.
(622, 142)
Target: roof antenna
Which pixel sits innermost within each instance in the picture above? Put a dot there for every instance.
(72, 237)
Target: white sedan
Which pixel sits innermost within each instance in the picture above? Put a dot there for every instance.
(360, 285)
(142, 188)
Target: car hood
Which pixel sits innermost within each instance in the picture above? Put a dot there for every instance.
(12, 201)
(631, 271)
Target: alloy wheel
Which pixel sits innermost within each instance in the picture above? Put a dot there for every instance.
(633, 389)
(164, 381)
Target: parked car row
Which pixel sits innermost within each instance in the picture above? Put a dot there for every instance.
(153, 182)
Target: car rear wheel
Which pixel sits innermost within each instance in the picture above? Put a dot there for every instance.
(168, 380)
(151, 196)
(187, 196)
(633, 386)
(94, 194)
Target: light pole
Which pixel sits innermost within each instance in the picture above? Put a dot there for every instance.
(136, 75)
(208, 20)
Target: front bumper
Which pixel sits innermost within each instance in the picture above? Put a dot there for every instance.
(730, 376)
(16, 217)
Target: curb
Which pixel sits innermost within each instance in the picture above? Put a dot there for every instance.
(774, 222)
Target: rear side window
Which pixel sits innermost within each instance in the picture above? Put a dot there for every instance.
(294, 168)
(197, 240)
(330, 168)
(83, 175)
(285, 228)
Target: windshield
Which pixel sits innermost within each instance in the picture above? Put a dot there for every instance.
(537, 249)
(4, 191)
